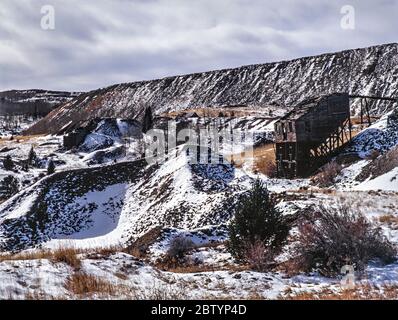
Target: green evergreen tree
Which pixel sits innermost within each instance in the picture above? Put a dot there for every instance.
(8, 164)
(32, 156)
(257, 220)
(50, 167)
(8, 187)
(147, 122)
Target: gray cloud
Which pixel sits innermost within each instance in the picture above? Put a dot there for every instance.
(102, 42)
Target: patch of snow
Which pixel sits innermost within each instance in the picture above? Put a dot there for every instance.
(386, 182)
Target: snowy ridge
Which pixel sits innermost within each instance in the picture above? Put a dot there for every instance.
(24, 101)
(370, 71)
(52, 97)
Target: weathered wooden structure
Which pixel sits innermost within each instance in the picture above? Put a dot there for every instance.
(311, 133)
(315, 131)
(365, 116)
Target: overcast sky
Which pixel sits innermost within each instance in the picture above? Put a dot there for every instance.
(96, 43)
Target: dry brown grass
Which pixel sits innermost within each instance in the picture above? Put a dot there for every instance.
(107, 251)
(81, 283)
(21, 139)
(263, 158)
(33, 255)
(28, 137)
(357, 120)
(64, 254)
(390, 220)
(68, 255)
(364, 292)
(266, 167)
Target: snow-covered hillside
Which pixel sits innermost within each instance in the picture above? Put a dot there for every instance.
(371, 71)
(94, 201)
(118, 202)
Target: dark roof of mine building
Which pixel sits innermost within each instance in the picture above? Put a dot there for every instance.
(303, 107)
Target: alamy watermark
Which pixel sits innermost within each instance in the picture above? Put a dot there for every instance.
(347, 21)
(348, 279)
(47, 21)
(207, 145)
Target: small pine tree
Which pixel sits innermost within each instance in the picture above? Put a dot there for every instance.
(257, 220)
(8, 164)
(32, 156)
(50, 167)
(148, 120)
(8, 187)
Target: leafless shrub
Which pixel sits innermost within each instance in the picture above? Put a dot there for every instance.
(338, 237)
(258, 256)
(328, 173)
(176, 254)
(179, 246)
(107, 251)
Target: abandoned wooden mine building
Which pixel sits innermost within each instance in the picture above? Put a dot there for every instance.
(310, 134)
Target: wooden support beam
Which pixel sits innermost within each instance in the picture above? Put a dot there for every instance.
(361, 114)
(367, 112)
(373, 97)
(350, 127)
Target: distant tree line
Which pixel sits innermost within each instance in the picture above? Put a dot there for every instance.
(28, 108)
